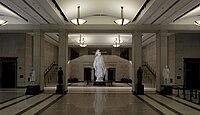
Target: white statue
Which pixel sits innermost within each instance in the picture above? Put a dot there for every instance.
(99, 66)
(166, 76)
(32, 77)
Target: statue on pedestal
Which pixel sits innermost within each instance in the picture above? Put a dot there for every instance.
(32, 77)
(166, 73)
(99, 66)
(60, 76)
(139, 76)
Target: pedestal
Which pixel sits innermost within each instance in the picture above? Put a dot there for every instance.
(60, 89)
(99, 83)
(32, 90)
(139, 89)
(166, 89)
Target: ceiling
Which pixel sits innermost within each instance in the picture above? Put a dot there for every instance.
(60, 12)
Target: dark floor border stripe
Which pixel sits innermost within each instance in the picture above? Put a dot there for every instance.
(30, 107)
(151, 106)
(11, 99)
(184, 103)
(164, 105)
(15, 103)
(46, 107)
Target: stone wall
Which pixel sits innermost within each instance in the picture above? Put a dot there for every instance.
(12, 45)
(187, 46)
(149, 54)
(121, 65)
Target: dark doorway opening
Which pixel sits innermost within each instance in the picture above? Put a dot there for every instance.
(192, 73)
(87, 74)
(8, 72)
(111, 74)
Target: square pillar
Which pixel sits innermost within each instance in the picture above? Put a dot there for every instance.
(161, 57)
(136, 56)
(63, 57)
(38, 57)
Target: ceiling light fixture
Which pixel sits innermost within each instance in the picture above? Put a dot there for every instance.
(3, 22)
(78, 20)
(197, 23)
(81, 41)
(122, 21)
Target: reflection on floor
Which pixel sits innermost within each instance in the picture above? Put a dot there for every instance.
(93, 101)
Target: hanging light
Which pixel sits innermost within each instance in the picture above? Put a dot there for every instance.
(117, 42)
(197, 23)
(78, 20)
(3, 22)
(81, 42)
(122, 21)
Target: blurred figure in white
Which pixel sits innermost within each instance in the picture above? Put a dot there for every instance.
(99, 66)
(166, 76)
(32, 77)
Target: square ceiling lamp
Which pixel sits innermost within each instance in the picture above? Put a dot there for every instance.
(78, 20)
(122, 21)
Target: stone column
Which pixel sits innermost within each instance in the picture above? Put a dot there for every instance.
(161, 56)
(38, 57)
(63, 56)
(136, 56)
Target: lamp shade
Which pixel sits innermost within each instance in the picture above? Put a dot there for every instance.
(3, 22)
(197, 23)
(78, 20)
(122, 21)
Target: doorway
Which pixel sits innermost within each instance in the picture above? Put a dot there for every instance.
(111, 74)
(8, 72)
(87, 74)
(192, 73)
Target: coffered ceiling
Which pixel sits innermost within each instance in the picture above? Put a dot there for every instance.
(60, 12)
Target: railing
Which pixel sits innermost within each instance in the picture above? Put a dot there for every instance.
(150, 69)
(49, 68)
(192, 95)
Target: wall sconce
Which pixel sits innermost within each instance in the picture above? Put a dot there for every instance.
(122, 21)
(78, 20)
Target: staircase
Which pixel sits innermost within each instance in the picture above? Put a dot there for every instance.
(50, 75)
(149, 76)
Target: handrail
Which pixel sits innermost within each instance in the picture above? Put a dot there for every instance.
(150, 69)
(49, 68)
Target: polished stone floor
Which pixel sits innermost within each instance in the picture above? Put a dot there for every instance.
(93, 101)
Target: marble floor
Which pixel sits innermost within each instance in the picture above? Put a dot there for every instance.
(93, 101)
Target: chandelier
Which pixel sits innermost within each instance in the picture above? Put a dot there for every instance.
(117, 42)
(81, 42)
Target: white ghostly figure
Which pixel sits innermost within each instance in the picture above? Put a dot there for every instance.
(99, 66)
(99, 102)
(166, 76)
(32, 77)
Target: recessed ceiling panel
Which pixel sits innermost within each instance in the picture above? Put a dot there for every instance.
(108, 7)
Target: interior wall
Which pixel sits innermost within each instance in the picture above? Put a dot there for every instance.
(13, 45)
(187, 46)
(50, 54)
(149, 54)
